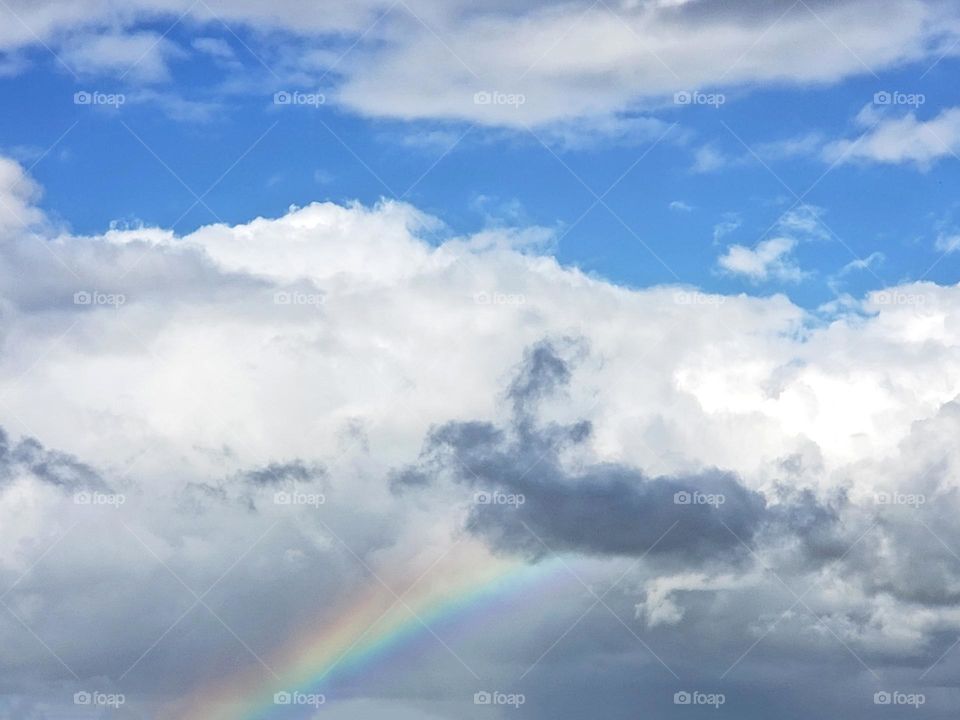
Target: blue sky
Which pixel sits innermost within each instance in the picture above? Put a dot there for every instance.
(137, 164)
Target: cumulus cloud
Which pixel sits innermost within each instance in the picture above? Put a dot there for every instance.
(350, 351)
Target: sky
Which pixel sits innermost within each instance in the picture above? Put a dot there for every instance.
(434, 360)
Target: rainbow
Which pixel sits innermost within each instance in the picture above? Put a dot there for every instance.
(373, 630)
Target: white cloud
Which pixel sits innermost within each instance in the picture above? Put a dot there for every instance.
(216, 47)
(680, 206)
(771, 259)
(900, 140)
(174, 106)
(659, 607)
(144, 56)
(804, 222)
(948, 243)
(372, 265)
(428, 59)
(729, 223)
(866, 263)
(767, 260)
(609, 62)
(18, 196)
(708, 159)
(806, 145)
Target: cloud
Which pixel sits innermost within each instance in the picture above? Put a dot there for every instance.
(767, 260)
(533, 64)
(771, 259)
(18, 196)
(335, 347)
(708, 159)
(874, 258)
(804, 222)
(900, 140)
(729, 223)
(28, 458)
(649, 53)
(805, 145)
(680, 206)
(144, 56)
(213, 46)
(174, 106)
(580, 134)
(283, 473)
(692, 519)
(947, 243)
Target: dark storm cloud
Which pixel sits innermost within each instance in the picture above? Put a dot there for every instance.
(529, 501)
(614, 510)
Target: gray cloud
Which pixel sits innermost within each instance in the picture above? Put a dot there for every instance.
(286, 472)
(29, 456)
(602, 508)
